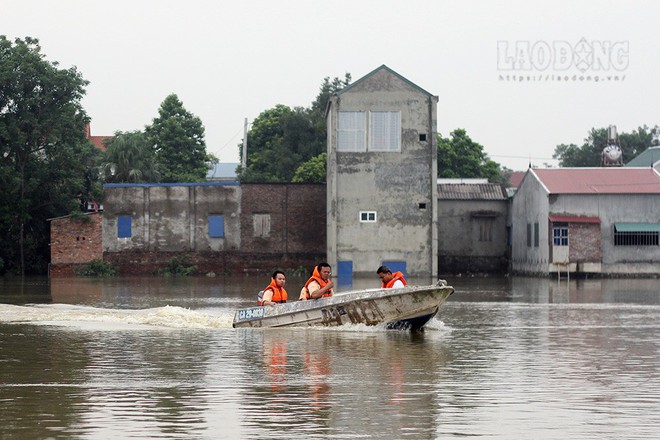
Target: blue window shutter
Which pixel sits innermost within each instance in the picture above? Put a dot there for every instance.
(216, 226)
(396, 266)
(124, 226)
(344, 269)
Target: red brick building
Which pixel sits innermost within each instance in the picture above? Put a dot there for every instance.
(74, 242)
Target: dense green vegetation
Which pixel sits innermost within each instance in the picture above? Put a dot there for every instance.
(589, 153)
(48, 167)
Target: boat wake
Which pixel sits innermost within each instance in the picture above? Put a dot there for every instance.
(115, 319)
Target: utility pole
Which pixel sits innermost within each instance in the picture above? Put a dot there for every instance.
(245, 145)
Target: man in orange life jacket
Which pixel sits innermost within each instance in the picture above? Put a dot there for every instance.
(275, 292)
(391, 280)
(319, 284)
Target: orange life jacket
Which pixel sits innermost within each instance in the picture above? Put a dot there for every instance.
(396, 276)
(316, 276)
(279, 294)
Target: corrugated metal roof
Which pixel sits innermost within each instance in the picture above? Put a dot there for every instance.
(516, 177)
(619, 180)
(637, 227)
(471, 191)
(647, 158)
(222, 171)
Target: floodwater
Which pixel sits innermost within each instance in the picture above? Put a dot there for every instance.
(518, 358)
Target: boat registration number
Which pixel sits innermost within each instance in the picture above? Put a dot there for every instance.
(256, 312)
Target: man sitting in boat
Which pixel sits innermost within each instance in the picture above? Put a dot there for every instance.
(319, 284)
(275, 293)
(391, 280)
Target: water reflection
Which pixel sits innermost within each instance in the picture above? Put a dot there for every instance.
(507, 358)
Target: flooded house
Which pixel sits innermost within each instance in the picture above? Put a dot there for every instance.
(600, 221)
(381, 176)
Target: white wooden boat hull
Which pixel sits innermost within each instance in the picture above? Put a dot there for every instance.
(408, 307)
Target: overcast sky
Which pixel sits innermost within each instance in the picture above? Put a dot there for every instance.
(228, 61)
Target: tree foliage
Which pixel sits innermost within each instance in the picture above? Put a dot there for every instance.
(589, 153)
(312, 171)
(44, 157)
(282, 139)
(130, 158)
(178, 139)
(461, 157)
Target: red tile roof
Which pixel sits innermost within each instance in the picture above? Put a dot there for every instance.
(572, 218)
(515, 178)
(619, 180)
(98, 141)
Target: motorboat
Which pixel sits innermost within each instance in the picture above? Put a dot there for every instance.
(409, 307)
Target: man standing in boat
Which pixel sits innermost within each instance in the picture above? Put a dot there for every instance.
(275, 293)
(319, 284)
(391, 280)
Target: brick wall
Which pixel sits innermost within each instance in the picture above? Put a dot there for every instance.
(297, 218)
(74, 242)
(584, 242)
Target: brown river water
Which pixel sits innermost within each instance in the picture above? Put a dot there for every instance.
(506, 358)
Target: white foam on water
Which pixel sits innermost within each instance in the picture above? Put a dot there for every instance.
(114, 319)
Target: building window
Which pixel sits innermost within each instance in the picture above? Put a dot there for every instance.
(560, 234)
(384, 131)
(351, 131)
(368, 216)
(124, 226)
(216, 226)
(536, 235)
(486, 229)
(529, 235)
(261, 225)
(636, 234)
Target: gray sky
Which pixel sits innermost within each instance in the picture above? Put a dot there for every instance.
(228, 61)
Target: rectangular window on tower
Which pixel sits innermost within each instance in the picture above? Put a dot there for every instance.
(384, 131)
(351, 131)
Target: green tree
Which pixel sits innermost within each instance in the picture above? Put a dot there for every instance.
(130, 158)
(279, 141)
(178, 139)
(328, 88)
(589, 153)
(461, 157)
(282, 139)
(312, 171)
(43, 151)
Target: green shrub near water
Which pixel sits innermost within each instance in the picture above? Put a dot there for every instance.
(97, 268)
(178, 268)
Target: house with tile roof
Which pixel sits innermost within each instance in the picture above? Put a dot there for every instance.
(603, 221)
(98, 141)
(472, 227)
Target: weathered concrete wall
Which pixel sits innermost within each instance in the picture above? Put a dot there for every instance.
(171, 221)
(400, 186)
(591, 247)
(74, 242)
(611, 209)
(469, 242)
(171, 218)
(530, 206)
